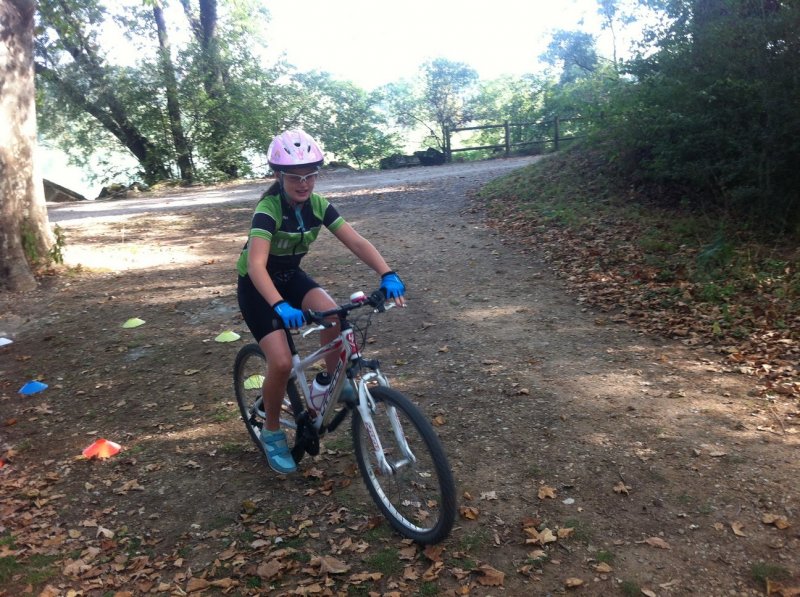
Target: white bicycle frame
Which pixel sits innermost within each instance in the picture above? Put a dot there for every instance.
(347, 349)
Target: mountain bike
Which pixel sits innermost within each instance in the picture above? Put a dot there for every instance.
(399, 454)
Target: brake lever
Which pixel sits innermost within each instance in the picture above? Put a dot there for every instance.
(317, 328)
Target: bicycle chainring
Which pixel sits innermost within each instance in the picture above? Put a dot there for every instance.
(306, 440)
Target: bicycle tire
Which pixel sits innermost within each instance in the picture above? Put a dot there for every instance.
(249, 371)
(418, 499)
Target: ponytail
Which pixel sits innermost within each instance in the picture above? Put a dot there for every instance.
(274, 188)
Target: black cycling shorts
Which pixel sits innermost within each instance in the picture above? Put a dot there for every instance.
(293, 285)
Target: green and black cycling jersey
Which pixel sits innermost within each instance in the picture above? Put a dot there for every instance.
(289, 230)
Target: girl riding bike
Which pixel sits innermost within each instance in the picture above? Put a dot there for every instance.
(273, 291)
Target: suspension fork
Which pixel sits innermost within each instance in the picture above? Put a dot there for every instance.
(366, 406)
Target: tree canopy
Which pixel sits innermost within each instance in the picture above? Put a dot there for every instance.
(706, 103)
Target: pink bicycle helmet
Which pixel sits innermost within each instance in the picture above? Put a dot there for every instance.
(294, 148)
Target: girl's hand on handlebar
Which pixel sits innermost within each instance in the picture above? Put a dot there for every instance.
(392, 286)
(292, 318)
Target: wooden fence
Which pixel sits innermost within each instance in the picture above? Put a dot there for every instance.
(553, 125)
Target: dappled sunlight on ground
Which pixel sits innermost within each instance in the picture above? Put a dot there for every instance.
(367, 192)
(489, 312)
(127, 256)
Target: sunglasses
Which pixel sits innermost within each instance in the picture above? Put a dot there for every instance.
(298, 179)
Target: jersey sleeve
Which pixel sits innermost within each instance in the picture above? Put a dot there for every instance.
(264, 220)
(331, 218)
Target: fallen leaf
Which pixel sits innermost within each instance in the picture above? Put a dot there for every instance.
(541, 537)
(537, 554)
(269, 569)
(780, 522)
(434, 552)
(656, 542)
(565, 532)
(432, 573)
(469, 512)
(197, 584)
(408, 553)
(330, 565)
(410, 573)
(573, 582)
(545, 491)
(490, 577)
(364, 577)
(603, 568)
(737, 527)
(622, 488)
(438, 420)
(776, 588)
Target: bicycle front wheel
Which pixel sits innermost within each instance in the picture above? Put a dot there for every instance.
(415, 489)
(249, 373)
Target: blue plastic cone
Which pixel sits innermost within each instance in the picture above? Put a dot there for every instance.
(32, 387)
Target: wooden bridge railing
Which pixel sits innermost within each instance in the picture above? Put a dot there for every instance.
(507, 145)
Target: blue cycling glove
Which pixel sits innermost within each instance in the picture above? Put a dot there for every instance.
(292, 318)
(392, 286)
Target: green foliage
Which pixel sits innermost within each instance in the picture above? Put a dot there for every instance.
(345, 118)
(56, 253)
(8, 567)
(763, 571)
(387, 561)
(630, 588)
(30, 243)
(443, 97)
(576, 53)
(711, 116)
(34, 570)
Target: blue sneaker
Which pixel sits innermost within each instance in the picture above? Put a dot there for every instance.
(277, 451)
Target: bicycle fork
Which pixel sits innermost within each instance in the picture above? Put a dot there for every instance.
(366, 406)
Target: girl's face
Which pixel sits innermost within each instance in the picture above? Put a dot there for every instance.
(299, 183)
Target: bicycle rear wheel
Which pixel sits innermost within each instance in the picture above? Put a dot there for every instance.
(418, 495)
(249, 372)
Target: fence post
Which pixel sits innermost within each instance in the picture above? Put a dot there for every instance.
(555, 138)
(508, 139)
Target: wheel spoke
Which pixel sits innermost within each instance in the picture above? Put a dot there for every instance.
(417, 496)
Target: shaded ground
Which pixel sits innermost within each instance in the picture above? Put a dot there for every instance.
(665, 466)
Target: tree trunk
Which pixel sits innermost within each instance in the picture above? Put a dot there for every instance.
(24, 227)
(182, 150)
(204, 29)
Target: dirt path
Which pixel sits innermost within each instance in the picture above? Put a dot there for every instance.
(555, 417)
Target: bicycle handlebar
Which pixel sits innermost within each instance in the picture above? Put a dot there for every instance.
(375, 300)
